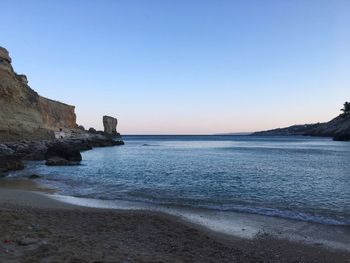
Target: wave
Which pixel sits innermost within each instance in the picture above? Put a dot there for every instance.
(264, 211)
(294, 215)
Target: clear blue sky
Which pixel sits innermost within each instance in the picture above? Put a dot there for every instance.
(187, 67)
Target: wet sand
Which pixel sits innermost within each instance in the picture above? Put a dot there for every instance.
(36, 228)
(23, 183)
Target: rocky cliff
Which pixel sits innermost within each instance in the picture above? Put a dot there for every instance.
(23, 113)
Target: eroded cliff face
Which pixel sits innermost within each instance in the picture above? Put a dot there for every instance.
(23, 113)
(57, 115)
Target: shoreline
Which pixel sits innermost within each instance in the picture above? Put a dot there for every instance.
(231, 224)
(228, 223)
(265, 243)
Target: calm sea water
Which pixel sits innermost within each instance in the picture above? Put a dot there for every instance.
(292, 177)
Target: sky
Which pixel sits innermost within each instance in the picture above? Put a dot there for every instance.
(185, 66)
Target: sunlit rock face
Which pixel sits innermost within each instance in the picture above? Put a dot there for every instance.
(23, 113)
(110, 125)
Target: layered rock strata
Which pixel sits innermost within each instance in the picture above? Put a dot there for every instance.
(23, 113)
(36, 128)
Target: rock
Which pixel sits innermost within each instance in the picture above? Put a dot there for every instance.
(81, 127)
(99, 140)
(92, 130)
(30, 150)
(23, 78)
(5, 150)
(10, 163)
(4, 55)
(9, 159)
(342, 137)
(27, 241)
(14, 164)
(24, 114)
(37, 151)
(78, 144)
(64, 150)
(62, 154)
(34, 176)
(110, 125)
(57, 161)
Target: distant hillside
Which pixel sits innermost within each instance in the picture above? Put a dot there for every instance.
(338, 128)
(233, 133)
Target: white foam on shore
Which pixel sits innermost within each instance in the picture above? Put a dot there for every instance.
(233, 223)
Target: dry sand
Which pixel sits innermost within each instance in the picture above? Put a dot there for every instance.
(35, 228)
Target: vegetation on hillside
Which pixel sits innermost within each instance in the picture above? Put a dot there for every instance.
(346, 108)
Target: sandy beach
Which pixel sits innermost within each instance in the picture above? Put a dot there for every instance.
(37, 228)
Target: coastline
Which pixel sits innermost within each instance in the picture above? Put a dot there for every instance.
(232, 224)
(171, 235)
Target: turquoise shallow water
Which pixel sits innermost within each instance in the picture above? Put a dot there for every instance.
(291, 177)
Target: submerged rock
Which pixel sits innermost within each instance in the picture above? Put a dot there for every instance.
(34, 176)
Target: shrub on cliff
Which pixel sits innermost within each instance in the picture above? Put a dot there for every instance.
(346, 108)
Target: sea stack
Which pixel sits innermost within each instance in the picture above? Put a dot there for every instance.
(110, 125)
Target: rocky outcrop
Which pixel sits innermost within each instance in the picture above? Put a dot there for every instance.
(23, 113)
(36, 128)
(9, 160)
(56, 152)
(10, 163)
(62, 154)
(110, 125)
(338, 128)
(5, 60)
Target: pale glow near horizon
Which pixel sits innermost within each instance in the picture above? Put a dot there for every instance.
(182, 67)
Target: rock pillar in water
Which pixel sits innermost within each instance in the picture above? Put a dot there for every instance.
(110, 125)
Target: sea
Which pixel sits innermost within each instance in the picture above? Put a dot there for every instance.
(291, 177)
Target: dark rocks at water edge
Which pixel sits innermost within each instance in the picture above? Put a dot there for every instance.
(34, 176)
(63, 154)
(36, 128)
(9, 159)
(342, 137)
(10, 163)
(64, 151)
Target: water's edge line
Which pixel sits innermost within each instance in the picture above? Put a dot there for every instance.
(239, 224)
